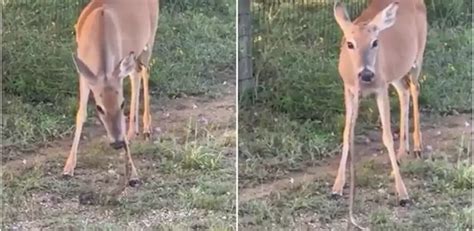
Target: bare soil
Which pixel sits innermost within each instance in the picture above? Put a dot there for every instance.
(438, 134)
(99, 170)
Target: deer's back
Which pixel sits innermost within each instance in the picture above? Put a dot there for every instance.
(136, 21)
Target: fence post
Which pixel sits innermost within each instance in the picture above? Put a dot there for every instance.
(246, 81)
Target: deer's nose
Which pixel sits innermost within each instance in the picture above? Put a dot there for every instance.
(366, 75)
(117, 144)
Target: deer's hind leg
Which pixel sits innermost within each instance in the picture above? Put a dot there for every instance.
(415, 92)
(144, 60)
(402, 87)
(133, 128)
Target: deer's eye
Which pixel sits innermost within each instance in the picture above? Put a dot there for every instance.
(350, 45)
(122, 105)
(375, 43)
(99, 109)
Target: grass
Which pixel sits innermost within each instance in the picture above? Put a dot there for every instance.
(440, 203)
(194, 45)
(299, 95)
(295, 116)
(174, 194)
(188, 173)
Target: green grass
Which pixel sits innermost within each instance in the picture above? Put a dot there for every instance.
(440, 203)
(295, 65)
(195, 43)
(173, 196)
(188, 173)
(295, 117)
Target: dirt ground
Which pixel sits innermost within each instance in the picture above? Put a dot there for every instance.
(191, 154)
(442, 137)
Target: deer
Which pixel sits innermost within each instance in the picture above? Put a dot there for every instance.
(114, 39)
(383, 46)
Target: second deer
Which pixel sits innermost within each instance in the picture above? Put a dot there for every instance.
(384, 46)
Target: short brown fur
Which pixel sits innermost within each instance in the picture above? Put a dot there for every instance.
(114, 37)
(384, 46)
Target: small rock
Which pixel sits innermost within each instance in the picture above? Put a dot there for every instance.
(395, 135)
(438, 133)
(24, 161)
(429, 148)
(367, 140)
(467, 124)
(203, 119)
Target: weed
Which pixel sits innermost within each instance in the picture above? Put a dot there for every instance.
(380, 217)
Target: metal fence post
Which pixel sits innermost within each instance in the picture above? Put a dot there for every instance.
(246, 80)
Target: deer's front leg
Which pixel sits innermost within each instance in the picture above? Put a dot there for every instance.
(130, 170)
(80, 119)
(351, 101)
(133, 127)
(146, 99)
(384, 110)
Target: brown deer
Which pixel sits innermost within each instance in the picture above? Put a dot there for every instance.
(383, 46)
(115, 39)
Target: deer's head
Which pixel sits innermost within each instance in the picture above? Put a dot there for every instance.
(107, 89)
(361, 39)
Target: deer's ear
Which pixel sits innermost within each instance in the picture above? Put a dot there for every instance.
(126, 66)
(341, 16)
(385, 18)
(83, 69)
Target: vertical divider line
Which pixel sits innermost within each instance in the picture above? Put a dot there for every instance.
(236, 102)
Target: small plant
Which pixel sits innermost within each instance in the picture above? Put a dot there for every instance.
(199, 157)
(380, 217)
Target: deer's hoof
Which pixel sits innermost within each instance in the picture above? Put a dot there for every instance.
(417, 154)
(335, 196)
(67, 176)
(134, 183)
(405, 202)
(147, 135)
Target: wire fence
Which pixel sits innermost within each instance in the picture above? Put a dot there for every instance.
(275, 23)
(293, 13)
(266, 23)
